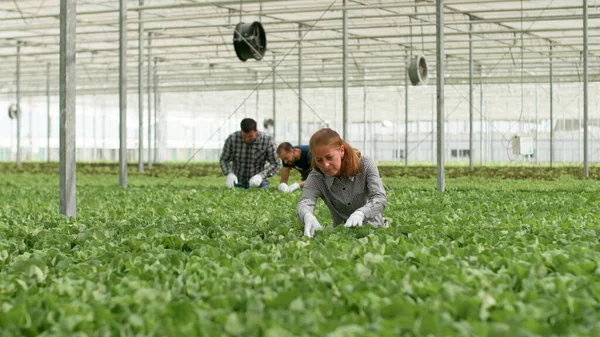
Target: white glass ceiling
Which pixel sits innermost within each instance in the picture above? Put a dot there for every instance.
(192, 42)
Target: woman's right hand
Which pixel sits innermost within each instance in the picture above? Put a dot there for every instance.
(311, 225)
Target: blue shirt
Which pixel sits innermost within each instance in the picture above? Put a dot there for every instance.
(305, 159)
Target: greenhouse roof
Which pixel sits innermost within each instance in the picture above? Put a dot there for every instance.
(192, 42)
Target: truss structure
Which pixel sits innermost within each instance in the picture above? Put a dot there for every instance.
(190, 42)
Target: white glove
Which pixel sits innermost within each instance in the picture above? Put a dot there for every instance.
(311, 225)
(293, 187)
(231, 180)
(283, 187)
(355, 219)
(255, 181)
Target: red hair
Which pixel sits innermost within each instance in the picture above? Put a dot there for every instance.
(328, 137)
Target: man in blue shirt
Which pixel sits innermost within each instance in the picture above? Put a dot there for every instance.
(293, 157)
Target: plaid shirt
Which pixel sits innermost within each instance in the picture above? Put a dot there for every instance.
(363, 192)
(249, 159)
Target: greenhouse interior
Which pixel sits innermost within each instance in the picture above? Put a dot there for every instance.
(521, 61)
(482, 118)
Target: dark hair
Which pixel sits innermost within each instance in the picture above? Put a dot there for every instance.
(248, 124)
(285, 146)
(326, 136)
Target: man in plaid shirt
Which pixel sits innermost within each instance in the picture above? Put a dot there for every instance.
(249, 149)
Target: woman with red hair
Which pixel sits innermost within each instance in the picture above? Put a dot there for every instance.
(348, 183)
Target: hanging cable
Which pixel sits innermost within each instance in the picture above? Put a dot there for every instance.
(20, 12)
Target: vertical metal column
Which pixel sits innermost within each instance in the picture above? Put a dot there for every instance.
(586, 172)
(345, 73)
(470, 95)
(103, 151)
(299, 84)
(274, 100)
(579, 130)
(564, 153)
(406, 108)
(365, 110)
(30, 119)
(141, 88)
(19, 112)
(67, 165)
(551, 112)
(156, 129)
(49, 125)
(537, 122)
(123, 93)
(439, 6)
(397, 130)
(164, 130)
(149, 79)
(94, 128)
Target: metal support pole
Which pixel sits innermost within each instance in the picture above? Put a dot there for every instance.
(103, 110)
(149, 79)
(433, 106)
(537, 122)
(564, 153)
(551, 112)
(141, 89)
(345, 73)
(365, 110)
(470, 95)
(49, 130)
(123, 93)
(164, 130)
(19, 112)
(274, 100)
(440, 94)
(397, 130)
(406, 109)
(299, 84)
(67, 88)
(586, 172)
(94, 128)
(30, 119)
(156, 129)
(579, 130)
(83, 104)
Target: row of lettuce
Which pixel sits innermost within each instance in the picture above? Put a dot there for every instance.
(386, 170)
